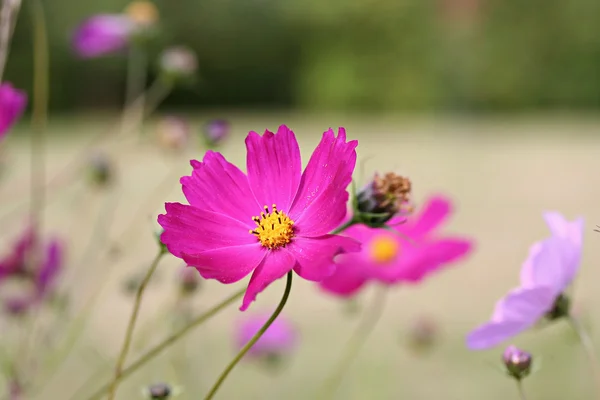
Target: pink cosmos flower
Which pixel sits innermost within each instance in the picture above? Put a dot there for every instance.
(103, 34)
(548, 270)
(406, 252)
(279, 339)
(270, 221)
(40, 275)
(12, 105)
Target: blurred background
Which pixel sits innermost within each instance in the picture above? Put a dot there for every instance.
(366, 55)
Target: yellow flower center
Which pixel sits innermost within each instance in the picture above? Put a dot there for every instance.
(142, 12)
(274, 229)
(383, 249)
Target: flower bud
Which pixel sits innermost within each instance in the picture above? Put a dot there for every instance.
(159, 391)
(422, 334)
(100, 169)
(215, 132)
(179, 63)
(173, 133)
(382, 199)
(560, 308)
(517, 362)
(189, 280)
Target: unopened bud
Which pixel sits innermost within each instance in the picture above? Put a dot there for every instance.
(422, 334)
(173, 133)
(215, 132)
(100, 169)
(179, 63)
(189, 280)
(383, 198)
(159, 391)
(517, 362)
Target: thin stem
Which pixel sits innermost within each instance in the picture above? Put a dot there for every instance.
(131, 325)
(521, 389)
(590, 351)
(8, 18)
(159, 348)
(255, 338)
(343, 227)
(370, 318)
(135, 96)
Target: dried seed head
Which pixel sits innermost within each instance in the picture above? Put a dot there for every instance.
(385, 197)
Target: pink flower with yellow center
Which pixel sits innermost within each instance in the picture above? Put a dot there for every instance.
(402, 252)
(270, 221)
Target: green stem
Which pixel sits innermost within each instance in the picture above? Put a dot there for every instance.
(521, 389)
(255, 338)
(590, 351)
(131, 325)
(159, 348)
(136, 81)
(343, 227)
(8, 18)
(370, 318)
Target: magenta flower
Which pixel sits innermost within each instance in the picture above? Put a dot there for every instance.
(270, 221)
(279, 339)
(12, 105)
(549, 269)
(103, 34)
(403, 253)
(40, 275)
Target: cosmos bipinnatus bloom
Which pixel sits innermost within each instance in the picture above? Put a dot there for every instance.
(383, 198)
(12, 105)
(517, 362)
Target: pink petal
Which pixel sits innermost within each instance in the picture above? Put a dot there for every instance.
(314, 256)
(347, 279)
(494, 333)
(528, 275)
(274, 167)
(561, 227)
(227, 264)
(274, 266)
(190, 230)
(433, 214)
(219, 186)
(51, 267)
(524, 304)
(321, 202)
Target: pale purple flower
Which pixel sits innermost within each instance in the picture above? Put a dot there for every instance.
(103, 34)
(278, 340)
(215, 131)
(12, 105)
(550, 268)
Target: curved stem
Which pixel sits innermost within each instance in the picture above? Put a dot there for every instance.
(370, 318)
(521, 389)
(156, 350)
(136, 81)
(131, 326)
(255, 338)
(590, 351)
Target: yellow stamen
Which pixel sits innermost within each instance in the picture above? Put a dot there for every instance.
(274, 229)
(384, 249)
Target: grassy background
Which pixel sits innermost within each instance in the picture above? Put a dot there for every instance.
(501, 173)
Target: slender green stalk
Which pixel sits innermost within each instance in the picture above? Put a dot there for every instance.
(159, 348)
(370, 318)
(8, 18)
(131, 325)
(590, 351)
(135, 96)
(255, 338)
(521, 389)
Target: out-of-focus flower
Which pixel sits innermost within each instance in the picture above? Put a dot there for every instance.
(277, 341)
(517, 362)
(399, 253)
(269, 222)
(12, 105)
(189, 280)
(179, 63)
(100, 169)
(422, 334)
(159, 391)
(549, 269)
(142, 13)
(102, 35)
(215, 132)
(382, 199)
(173, 133)
(38, 269)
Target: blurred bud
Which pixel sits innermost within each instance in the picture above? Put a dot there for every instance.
(159, 391)
(173, 133)
(422, 334)
(189, 280)
(382, 199)
(179, 63)
(143, 13)
(560, 309)
(215, 132)
(351, 306)
(517, 362)
(99, 169)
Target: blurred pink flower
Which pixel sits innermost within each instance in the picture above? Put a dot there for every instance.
(21, 264)
(103, 34)
(12, 105)
(279, 339)
(548, 270)
(270, 221)
(403, 253)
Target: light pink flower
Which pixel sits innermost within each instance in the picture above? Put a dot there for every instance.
(280, 338)
(406, 252)
(270, 221)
